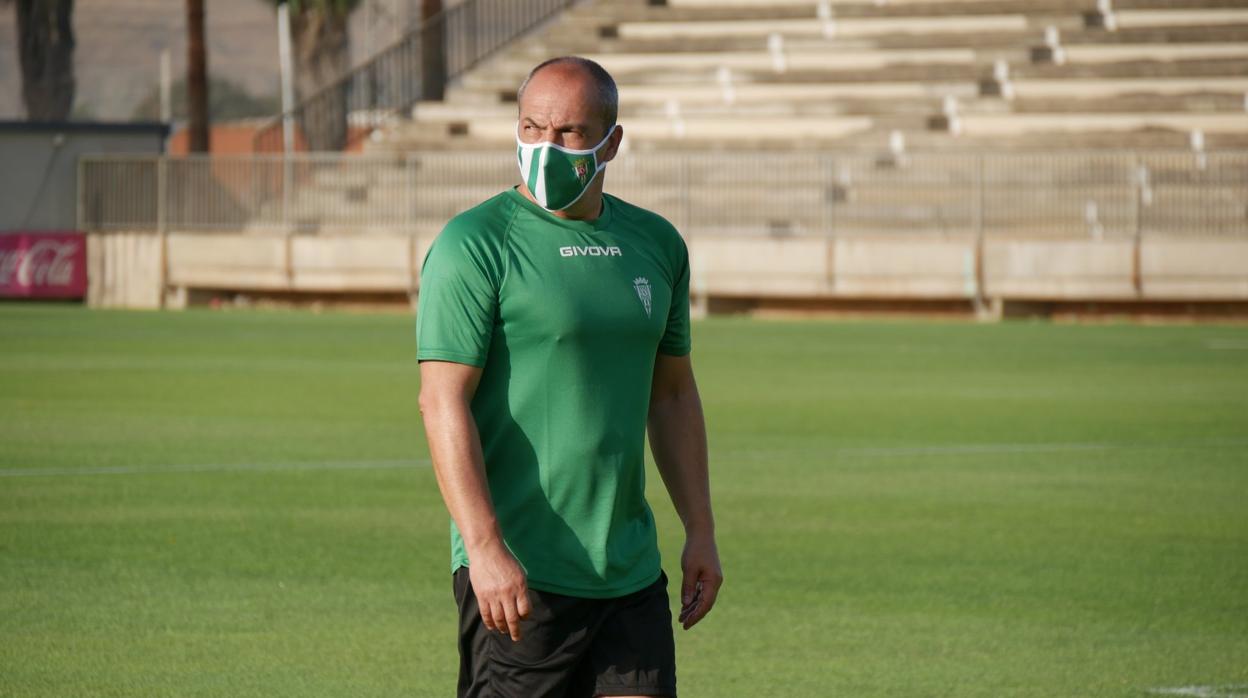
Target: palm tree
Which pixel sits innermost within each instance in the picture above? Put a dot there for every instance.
(318, 30)
(45, 39)
(433, 57)
(197, 77)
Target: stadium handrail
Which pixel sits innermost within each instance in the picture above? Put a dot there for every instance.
(374, 92)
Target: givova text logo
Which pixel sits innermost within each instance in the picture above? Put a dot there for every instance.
(590, 251)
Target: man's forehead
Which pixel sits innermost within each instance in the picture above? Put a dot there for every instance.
(560, 93)
(556, 121)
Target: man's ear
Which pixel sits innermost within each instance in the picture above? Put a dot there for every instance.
(613, 144)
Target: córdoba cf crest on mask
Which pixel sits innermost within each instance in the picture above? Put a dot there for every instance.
(558, 176)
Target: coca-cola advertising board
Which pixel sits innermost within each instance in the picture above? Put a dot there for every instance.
(43, 265)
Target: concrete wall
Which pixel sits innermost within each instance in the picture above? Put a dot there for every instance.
(282, 262)
(130, 269)
(126, 268)
(1194, 269)
(841, 267)
(903, 267)
(1059, 269)
(39, 172)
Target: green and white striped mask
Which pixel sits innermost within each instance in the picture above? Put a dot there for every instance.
(558, 176)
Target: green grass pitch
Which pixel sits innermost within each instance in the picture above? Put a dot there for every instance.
(240, 504)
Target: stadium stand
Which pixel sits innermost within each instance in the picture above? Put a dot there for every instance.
(938, 74)
(901, 76)
(968, 151)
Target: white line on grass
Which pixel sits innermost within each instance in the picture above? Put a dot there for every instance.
(1203, 691)
(995, 448)
(956, 449)
(214, 468)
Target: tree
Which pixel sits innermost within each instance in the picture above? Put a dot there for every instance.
(45, 40)
(318, 30)
(197, 77)
(433, 51)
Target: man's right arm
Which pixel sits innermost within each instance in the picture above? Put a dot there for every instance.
(446, 390)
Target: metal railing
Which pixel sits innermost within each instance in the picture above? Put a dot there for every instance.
(414, 68)
(1093, 195)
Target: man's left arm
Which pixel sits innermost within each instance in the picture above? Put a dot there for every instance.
(678, 441)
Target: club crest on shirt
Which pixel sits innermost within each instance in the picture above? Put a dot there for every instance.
(642, 285)
(581, 165)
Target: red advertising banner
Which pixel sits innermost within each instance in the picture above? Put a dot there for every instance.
(43, 265)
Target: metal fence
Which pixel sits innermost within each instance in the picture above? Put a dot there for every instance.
(414, 68)
(1094, 195)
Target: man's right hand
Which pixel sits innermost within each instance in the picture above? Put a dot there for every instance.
(446, 390)
(499, 584)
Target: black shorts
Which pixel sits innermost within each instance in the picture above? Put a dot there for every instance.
(569, 647)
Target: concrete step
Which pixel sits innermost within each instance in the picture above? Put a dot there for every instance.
(641, 67)
(1167, 69)
(680, 12)
(1073, 32)
(1115, 53)
(1130, 19)
(1104, 87)
(861, 64)
(708, 4)
(452, 115)
(584, 43)
(831, 28)
(753, 93)
(680, 79)
(1196, 101)
(899, 79)
(692, 129)
(639, 96)
(920, 5)
(1202, 34)
(1021, 124)
(918, 140)
(457, 119)
(933, 141)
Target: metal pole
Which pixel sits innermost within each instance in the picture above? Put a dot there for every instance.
(1137, 193)
(162, 224)
(166, 87)
(288, 82)
(162, 190)
(409, 193)
(830, 237)
(288, 105)
(981, 307)
(81, 216)
(829, 197)
(686, 204)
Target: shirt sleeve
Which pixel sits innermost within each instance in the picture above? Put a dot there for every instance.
(676, 338)
(458, 301)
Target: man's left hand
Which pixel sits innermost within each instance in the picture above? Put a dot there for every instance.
(702, 578)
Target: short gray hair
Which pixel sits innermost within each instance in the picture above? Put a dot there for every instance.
(604, 85)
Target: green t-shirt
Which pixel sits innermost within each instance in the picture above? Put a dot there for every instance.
(565, 318)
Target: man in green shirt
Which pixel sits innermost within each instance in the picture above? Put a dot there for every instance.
(553, 331)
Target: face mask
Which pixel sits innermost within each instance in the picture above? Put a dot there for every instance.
(557, 176)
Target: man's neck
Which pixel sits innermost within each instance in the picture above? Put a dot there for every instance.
(587, 208)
